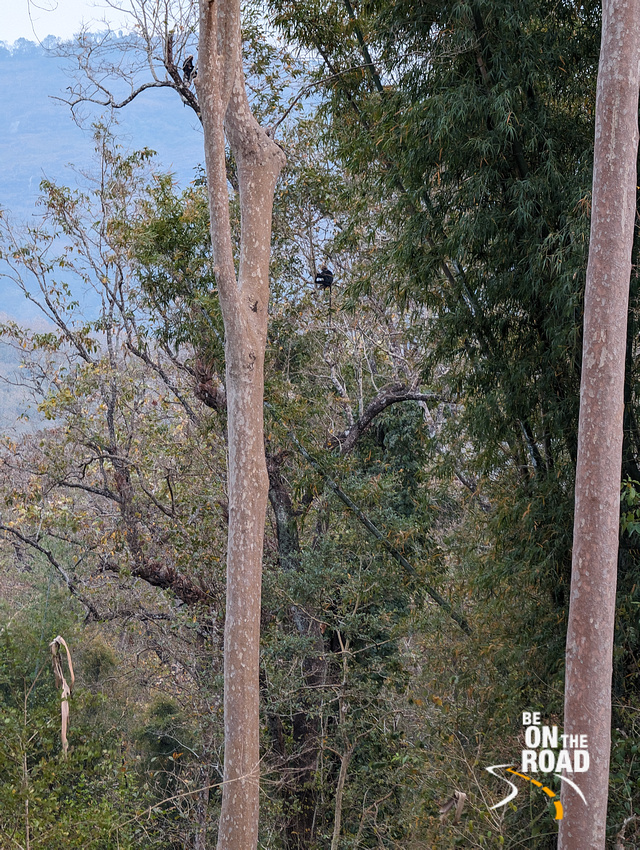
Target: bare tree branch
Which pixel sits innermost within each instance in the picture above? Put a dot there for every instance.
(70, 582)
(391, 394)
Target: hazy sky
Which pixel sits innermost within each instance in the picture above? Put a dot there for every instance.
(36, 19)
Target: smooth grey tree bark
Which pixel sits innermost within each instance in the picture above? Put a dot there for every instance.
(597, 494)
(244, 299)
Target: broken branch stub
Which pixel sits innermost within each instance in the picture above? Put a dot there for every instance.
(65, 687)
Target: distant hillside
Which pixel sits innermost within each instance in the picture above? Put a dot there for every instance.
(18, 408)
(38, 137)
(17, 411)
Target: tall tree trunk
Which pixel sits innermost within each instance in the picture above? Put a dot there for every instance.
(597, 501)
(244, 302)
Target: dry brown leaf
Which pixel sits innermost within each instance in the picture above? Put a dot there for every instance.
(458, 800)
(65, 687)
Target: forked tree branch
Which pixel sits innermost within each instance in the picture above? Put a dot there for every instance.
(391, 394)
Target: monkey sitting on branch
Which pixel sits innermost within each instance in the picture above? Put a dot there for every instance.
(324, 280)
(188, 71)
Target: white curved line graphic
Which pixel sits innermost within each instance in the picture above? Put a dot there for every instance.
(573, 785)
(514, 791)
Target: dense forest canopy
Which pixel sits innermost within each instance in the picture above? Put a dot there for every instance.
(420, 430)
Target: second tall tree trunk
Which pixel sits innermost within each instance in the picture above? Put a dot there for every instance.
(597, 495)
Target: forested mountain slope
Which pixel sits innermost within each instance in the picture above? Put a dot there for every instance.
(420, 424)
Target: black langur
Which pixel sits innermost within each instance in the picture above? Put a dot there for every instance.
(188, 71)
(324, 280)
